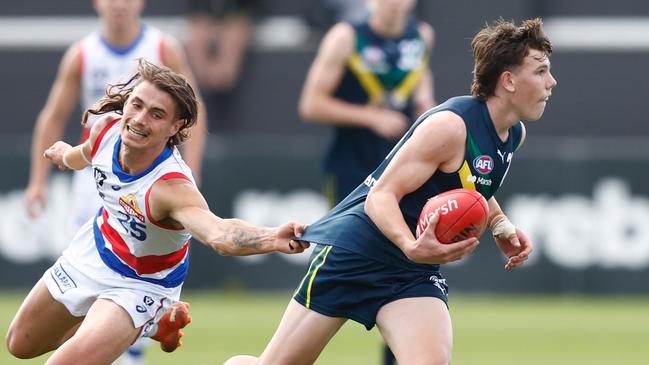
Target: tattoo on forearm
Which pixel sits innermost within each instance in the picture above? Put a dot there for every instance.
(245, 239)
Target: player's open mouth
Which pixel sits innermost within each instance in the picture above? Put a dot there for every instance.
(135, 131)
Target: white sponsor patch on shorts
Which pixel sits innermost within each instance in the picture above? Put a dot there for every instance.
(61, 278)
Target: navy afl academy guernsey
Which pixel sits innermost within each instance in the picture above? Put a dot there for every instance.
(381, 72)
(487, 160)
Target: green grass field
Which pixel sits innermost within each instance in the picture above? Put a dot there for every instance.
(502, 330)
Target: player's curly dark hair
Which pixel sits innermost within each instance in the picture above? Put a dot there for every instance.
(164, 79)
(500, 47)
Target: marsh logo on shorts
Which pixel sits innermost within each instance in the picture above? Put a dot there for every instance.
(62, 279)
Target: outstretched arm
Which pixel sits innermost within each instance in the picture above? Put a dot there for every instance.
(78, 157)
(177, 202)
(67, 157)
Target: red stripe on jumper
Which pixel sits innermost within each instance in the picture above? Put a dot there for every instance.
(167, 176)
(95, 145)
(149, 264)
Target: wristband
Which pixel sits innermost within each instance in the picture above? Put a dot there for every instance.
(501, 227)
(83, 155)
(65, 163)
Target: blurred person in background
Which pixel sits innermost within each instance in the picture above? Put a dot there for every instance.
(370, 78)
(219, 36)
(106, 56)
(368, 264)
(121, 276)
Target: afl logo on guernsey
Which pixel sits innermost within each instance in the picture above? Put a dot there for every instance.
(483, 164)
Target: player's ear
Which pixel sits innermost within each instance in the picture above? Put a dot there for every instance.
(176, 126)
(507, 80)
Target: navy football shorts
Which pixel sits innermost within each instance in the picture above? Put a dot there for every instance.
(341, 283)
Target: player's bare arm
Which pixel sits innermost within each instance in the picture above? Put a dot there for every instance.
(193, 148)
(415, 163)
(511, 240)
(78, 157)
(424, 93)
(176, 202)
(50, 126)
(67, 157)
(317, 102)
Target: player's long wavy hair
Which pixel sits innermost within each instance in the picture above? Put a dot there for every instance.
(164, 79)
(500, 47)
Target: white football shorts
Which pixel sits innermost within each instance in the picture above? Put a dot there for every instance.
(79, 277)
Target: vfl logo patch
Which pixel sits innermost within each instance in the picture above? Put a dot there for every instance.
(148, 300)
(100, 177)
(483, 164)
(129, 203)
(62, 279)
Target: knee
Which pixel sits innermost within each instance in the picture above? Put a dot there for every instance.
(443, 360)
(438, 358)
(19, 346)
(241, 360)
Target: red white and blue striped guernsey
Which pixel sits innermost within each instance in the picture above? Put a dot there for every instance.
(128, 239)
